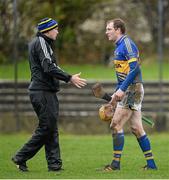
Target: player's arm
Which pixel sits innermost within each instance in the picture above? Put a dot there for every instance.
(131, 54)
(134, 70)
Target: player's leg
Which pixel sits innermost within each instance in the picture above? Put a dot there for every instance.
(143, 140)
(121, 115)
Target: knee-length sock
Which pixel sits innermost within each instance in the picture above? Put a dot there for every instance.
(146, 148)
(118, 144)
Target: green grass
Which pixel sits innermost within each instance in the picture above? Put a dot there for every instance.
(82, 155)
(97, 72)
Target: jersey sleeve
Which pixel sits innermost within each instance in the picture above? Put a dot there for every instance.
(132, 56)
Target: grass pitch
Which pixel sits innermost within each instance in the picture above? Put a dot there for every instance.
(98, 72)
(82, 155)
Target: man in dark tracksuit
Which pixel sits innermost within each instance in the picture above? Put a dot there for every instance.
(45, 76)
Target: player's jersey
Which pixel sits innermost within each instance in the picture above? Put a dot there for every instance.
(126, 63)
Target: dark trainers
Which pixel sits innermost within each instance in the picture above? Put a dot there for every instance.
(21, 166)
(55, 169)
(146, 167)
(110, 168)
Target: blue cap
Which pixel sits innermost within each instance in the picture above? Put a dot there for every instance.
(47, 24)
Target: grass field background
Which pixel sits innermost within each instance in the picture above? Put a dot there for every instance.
(82, 155)
(150, 71)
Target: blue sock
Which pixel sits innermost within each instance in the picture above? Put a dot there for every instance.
(146, 148)
(118, 144)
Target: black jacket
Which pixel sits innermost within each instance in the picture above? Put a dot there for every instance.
(45, 73)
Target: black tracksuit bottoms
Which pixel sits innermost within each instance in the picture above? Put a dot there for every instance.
(46, 106)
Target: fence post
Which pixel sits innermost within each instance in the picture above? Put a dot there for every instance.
(15, 57)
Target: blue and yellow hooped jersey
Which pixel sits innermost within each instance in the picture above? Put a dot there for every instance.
(126, 63)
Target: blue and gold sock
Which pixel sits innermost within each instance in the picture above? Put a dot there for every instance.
(146, 148)
(118, 144)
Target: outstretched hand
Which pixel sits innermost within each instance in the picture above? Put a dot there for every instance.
(77, 81)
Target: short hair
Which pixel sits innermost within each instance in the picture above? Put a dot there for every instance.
(118, 24)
